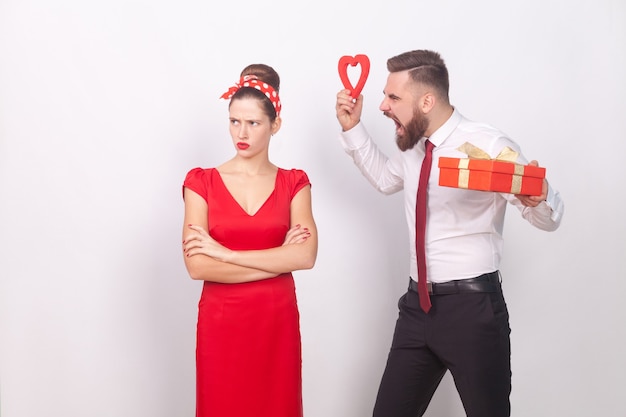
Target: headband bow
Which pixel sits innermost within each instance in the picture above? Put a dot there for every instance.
(252, 81)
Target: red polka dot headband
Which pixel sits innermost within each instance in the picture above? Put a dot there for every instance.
(252, 81)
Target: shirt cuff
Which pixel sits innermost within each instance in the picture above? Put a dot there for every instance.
(354, 138)
(554, 202)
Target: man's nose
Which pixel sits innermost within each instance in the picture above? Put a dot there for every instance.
(384, 105)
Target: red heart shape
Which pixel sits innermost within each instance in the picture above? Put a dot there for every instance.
(360, 59)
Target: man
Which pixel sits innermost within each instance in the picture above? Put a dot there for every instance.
(459, 320)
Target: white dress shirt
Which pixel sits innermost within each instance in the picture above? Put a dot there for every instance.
(464, 227)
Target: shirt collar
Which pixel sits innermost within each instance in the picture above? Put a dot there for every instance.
(441, 134)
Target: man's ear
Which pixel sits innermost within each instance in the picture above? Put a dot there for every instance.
(427, 102)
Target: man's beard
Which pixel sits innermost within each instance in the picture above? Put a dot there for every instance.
(413, 131)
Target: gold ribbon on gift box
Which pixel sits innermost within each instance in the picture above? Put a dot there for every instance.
(506, 155)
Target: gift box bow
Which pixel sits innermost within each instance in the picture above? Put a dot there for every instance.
(474, 152)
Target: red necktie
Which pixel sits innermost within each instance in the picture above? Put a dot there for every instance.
(420, 227)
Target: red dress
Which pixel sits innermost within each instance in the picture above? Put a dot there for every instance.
(248, 353)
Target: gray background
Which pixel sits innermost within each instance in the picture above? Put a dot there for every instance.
(105, 105)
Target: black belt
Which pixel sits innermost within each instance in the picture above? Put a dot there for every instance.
(484, 283)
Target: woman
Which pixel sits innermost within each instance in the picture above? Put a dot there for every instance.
(248, 226)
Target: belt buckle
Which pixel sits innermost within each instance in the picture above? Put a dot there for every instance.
(429, 287)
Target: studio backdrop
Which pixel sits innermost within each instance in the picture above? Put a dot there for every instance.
(105, 106)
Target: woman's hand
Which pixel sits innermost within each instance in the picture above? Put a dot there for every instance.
(201, 243)
(296, 234)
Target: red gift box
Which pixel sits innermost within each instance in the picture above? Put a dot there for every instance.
(496, 175)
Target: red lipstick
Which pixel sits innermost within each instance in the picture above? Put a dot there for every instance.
(242, 145)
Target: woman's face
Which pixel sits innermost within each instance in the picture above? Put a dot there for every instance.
(250, 127)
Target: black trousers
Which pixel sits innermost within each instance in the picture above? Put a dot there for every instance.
(466, 333)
